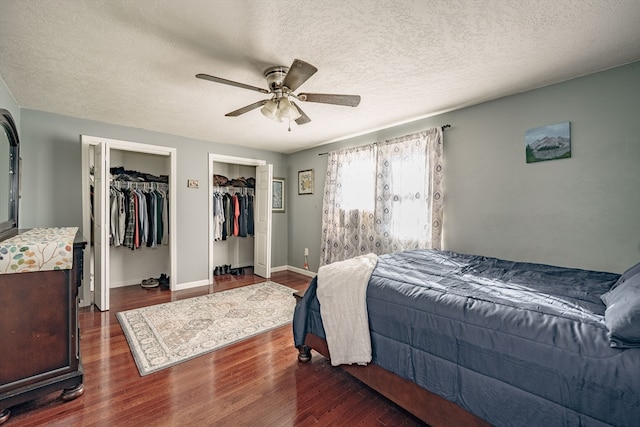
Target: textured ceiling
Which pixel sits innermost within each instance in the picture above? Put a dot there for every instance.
(134, 63)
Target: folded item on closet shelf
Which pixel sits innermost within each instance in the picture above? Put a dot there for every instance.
(220, 180)
(126, 177)
(238, 182)
(141, 177)
(116, 170)
(119, 173)
(241, 182)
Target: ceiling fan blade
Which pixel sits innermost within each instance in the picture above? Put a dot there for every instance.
(299, 72)
(246, 109)
(303, 118)
(230, 82)
(348, 100)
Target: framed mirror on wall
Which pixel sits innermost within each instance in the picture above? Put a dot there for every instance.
(9, 175)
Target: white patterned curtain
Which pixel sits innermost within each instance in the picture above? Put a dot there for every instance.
(383, 198)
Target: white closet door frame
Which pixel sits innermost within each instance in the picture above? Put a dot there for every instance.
(116, 144)
(101, 227)
(221, 158)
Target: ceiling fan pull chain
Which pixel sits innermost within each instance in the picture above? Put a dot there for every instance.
(289, 124)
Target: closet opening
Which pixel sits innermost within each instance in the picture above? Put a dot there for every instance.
(138, 211)
(130, 214)
(239, 216)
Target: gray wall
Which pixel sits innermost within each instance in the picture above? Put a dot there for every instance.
(52, 173)
(581, 212)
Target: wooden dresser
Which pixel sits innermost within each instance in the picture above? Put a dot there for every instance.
(39, 334)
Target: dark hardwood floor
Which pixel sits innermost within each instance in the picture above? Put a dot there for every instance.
(257, 382)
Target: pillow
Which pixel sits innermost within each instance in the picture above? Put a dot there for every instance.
(632, 271)
(622, 315)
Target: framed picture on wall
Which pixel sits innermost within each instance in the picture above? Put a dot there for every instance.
(278, 195)
(548, 142)
(306, 182)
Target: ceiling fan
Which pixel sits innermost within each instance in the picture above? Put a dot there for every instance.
(282, 82)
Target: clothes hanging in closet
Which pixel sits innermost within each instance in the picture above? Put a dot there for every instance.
(139, 217)
(232, 215)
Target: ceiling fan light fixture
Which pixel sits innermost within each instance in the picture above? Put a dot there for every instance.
(270, 110)
(279, 109)
(287, 110)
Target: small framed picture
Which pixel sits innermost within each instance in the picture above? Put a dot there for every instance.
(278, 196)
(305, 182)
(548, 142)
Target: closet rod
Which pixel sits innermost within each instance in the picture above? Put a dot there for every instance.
(443, 127)
(229, 189)
(139, 184)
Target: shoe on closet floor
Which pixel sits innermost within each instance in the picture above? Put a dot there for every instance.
(163, 281)
(150, 283)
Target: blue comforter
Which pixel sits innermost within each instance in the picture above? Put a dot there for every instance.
(514, 343)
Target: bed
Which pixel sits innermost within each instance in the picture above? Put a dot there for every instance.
(461, 339)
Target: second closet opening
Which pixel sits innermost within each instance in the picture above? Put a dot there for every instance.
(233, 218)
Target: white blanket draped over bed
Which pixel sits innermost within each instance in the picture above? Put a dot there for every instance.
(342, 293)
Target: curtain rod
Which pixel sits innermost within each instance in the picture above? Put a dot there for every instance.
(443, 127)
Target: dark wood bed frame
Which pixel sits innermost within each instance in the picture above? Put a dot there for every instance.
(430, 408)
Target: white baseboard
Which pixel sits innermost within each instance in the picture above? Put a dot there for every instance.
(124, 283)
(189, 285)
(279, 268)
(178, 287)
(296, 270)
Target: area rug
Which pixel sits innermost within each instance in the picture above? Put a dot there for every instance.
(164, 335)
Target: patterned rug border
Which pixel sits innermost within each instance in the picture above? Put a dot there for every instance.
(136, 349)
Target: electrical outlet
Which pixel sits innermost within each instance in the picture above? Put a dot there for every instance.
(193, 183)
(306, 251)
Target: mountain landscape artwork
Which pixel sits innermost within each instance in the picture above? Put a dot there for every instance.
(548, 142)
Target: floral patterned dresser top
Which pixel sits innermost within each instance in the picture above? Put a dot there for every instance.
(38, 249)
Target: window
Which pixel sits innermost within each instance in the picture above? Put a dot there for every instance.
(383, 198)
